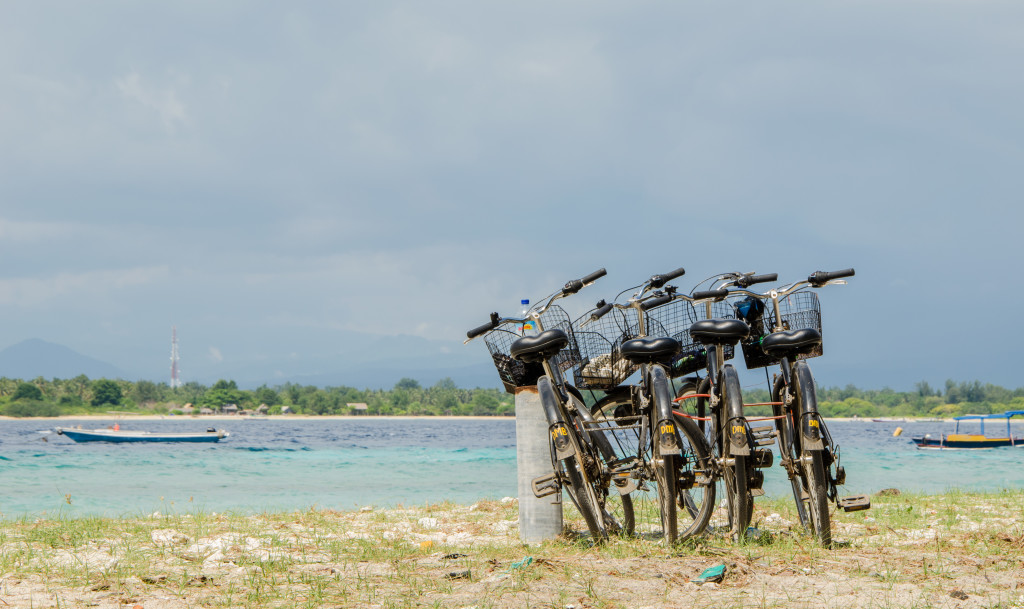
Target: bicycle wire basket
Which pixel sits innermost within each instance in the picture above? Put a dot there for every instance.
(515, 373)
(798, 311)
(676, 318)
(599, 342)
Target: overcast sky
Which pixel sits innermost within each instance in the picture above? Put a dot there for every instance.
(269, 176)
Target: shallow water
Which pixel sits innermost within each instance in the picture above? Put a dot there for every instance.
(343, 463)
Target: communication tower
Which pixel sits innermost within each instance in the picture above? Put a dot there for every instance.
(175, 381)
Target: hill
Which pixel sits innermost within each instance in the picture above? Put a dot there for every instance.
(35, 357)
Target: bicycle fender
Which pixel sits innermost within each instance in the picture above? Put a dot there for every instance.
(666, 434)
(810, 420)
(739, 442)
(558, 429)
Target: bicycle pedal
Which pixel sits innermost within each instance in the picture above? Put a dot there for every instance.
(855, 503)
(686, 480)
(840, 475)
(623, 465)
(755, 482)
(761, 430)
(624, 483)
(756, 492)
(763, 458)
(764, 441)
(546, 485)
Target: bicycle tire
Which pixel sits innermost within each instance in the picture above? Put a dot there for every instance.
(696, 496)
(665, 481)
(789, 450)
(572, 470)
(736, 476)
(814, 463)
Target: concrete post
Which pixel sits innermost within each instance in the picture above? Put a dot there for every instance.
(539, 519)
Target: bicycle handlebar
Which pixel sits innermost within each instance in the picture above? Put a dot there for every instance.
(658, 281)
(748, 280)
(820, 278)
(576, 285)
(602, 310)
(656, 302)
(704, 294)
(487, 327)
(571, 287)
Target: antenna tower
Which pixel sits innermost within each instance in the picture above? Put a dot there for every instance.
(175, 381)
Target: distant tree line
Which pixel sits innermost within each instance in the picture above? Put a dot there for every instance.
(81, 395)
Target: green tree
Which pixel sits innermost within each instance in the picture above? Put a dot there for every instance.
(27, 391)
(146, 391)
(407, 383)
(223, 392)
(105, 391)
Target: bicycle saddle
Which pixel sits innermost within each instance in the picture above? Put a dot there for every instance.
(647, 350)
(790, 342)
(719, 331)
(539, 348)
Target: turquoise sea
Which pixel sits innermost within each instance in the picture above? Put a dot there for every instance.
(289, 464)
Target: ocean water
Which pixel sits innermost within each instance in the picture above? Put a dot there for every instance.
(290, 464)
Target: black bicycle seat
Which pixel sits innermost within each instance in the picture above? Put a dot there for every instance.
(791, 342)
(538, 348)
(719, 331)
(646, 350)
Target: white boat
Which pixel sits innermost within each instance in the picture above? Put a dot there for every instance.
(128, 435)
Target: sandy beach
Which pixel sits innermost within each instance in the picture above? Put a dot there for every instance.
(954, 550)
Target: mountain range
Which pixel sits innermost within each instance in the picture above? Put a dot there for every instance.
(393, 358)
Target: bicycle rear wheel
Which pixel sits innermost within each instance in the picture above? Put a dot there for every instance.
(572, 470)
(813, 462)
(789, 451)
(736, 475)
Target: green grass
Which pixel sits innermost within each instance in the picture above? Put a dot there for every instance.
(928, 544)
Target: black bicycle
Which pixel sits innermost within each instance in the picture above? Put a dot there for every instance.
(708, 330)
(788, 334)
(653, 445)
(578, 455)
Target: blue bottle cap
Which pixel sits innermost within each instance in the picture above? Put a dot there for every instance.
(524, 302)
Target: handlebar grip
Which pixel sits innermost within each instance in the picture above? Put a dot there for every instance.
(577, 284)
(591, 278)
(704, 294)
(658, 281)
(487, 327)
(601, 311)
(746, 282)
(820, 278)
(655, 302)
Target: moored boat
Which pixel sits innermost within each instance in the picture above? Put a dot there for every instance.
(957, 440)
(128, 435)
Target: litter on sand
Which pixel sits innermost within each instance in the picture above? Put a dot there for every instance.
(711, 574)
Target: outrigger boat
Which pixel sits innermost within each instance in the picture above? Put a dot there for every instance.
(978, 440)
(124, 435)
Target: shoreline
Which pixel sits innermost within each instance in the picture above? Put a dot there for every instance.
(122, 416)
(126, 416)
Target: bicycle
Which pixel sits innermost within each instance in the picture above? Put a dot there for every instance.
(577, 455)
(707, 344)
(652, 443)
(788, 335)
